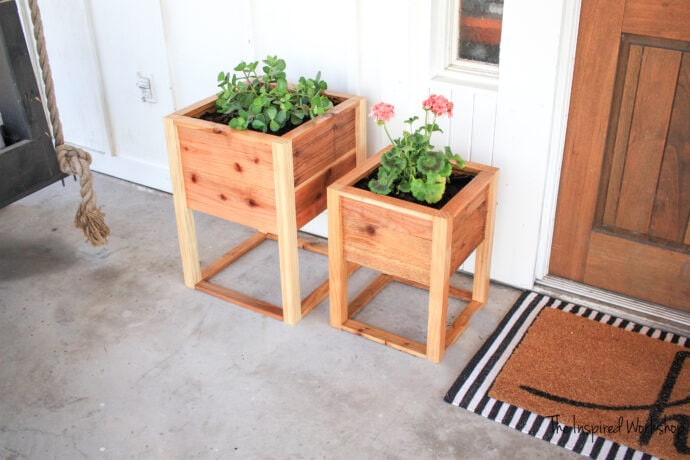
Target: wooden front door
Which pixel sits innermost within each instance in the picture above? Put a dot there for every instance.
(622, 220)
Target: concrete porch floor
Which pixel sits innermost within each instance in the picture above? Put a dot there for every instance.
(106, 354)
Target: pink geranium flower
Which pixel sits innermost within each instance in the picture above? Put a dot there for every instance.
(382, 112)
(438, 105)
(412, 164)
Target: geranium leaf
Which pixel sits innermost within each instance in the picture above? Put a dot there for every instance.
(382, 187)
(430, 191)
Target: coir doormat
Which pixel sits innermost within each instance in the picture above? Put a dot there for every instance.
(582, 379)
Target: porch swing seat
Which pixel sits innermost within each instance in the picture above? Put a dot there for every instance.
(28, 162)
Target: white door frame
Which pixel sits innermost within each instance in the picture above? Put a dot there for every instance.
(566, 64)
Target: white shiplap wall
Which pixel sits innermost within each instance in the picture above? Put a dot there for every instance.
(381, 50)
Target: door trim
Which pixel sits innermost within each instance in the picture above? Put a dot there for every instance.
(566, 64)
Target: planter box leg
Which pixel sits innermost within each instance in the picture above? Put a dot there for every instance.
(186, 231)
(336, 263)
(482, 264)
(287, 232)
(366, 229)
(273, 184)
(439, 287)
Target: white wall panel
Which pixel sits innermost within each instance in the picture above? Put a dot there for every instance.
(203, 38)
(380, 49)
(75, 70)
(129, 39)
(483, 128)
(311, 35)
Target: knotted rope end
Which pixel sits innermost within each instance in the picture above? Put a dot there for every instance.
(92, 223)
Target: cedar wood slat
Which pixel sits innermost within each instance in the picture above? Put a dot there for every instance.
(655, 93)
(671, 215)
(249, 178)
(413, 244)
(621, 119)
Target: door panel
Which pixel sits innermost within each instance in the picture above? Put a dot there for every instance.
(653, 18)
(639, 270)
(623, 213)
(642, 181)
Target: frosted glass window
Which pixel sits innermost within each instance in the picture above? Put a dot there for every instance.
(480, 30)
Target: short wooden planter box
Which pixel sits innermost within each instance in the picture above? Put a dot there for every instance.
(413, 244)
(275, 184)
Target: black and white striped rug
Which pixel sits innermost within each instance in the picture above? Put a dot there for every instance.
(471, 388)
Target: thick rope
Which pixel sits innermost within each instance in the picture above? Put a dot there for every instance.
(72, 160)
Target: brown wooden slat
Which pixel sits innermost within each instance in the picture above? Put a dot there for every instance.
(468, 233)
(624, 99)
(462, 321)
(655, 93)
(240, 299)
(228, 174)
(314, 298)
(306, 244)
(310, 195)
(672, 202)
(384, 337)
(453, 291)
(321, 292)
(460, 293)
(644, 271)
(312, 246)
(367, 294)
(315, 149)
(643, 17)
(232, 255)
(386, 241)
(593, 82)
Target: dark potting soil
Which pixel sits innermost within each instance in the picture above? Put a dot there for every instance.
(224, 119)
(458, 181)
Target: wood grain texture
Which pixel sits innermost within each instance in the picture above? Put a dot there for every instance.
(385, 337)
(310, 195)
(439, 282)
(482, 264)
(274, 184)
(286, 220)
(621, 120)
(184, 216)
(232, 255)
(243, 300)
(593, 83)
(325, 141)
(671, 216)
(337, 274)
(623, 206)
(653, 103)
(647, 272)
(390, 242)
(228, 175)
(664, 19)
(413, 244)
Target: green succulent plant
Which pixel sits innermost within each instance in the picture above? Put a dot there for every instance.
(265, 102)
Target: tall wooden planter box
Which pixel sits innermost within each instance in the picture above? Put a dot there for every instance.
(413, 244)
(275, 184)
